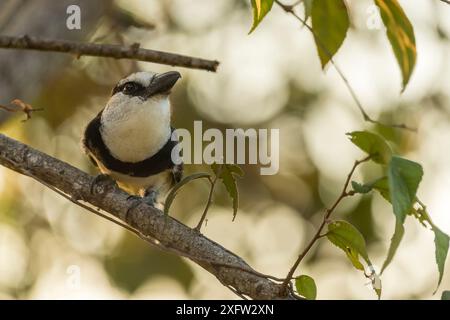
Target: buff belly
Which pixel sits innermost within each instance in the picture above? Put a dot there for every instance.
(160, 183)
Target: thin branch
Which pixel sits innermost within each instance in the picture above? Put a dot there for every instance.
(328, 212)
(290, 9)
(146, 221)
(245, 269)
(26, 108)
(446, 1)
(209, 201)
(107, 50)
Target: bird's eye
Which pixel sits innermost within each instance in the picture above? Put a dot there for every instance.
(131, 87)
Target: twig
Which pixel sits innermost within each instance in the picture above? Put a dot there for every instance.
(328, 212)
(446, 1)
(234, 290)
(148, 222)
(249, 270)
(23, 107)
(106, 50)
(290, 9)
(210, 196)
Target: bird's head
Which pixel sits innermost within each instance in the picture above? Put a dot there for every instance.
(141, 92)
(145, 85)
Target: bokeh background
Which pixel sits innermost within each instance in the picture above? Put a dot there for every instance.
(269, 79)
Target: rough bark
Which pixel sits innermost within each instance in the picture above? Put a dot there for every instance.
(106, 50)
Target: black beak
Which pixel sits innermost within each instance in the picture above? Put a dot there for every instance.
(162, 83)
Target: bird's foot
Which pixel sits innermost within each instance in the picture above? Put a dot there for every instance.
(99, 179)
(148, 198)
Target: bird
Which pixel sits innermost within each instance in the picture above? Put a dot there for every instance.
(130, 139)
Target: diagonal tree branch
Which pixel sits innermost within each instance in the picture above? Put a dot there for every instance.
(107, 50)
(149, 223)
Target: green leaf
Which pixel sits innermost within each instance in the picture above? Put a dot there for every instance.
(373, 144)
(173, 192)
(400, 189)
(260, 9)
(306, 287)
(445, 295)
(400, 33)
(382, 186)
(353, 256)
(330, 23)
(395, 243)
(361, 188)
(404, 177)
(307, 4)
(346, 237)
(441, 241)
(228, 174)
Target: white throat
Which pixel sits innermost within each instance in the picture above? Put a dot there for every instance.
(134, 130)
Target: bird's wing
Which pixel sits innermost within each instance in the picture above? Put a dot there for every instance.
(89, 142)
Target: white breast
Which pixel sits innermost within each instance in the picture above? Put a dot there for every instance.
(134, 130)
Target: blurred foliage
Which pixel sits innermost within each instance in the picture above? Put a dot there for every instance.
(133, 263)
(41, 235)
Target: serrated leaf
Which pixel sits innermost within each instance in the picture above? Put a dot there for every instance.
(330, 22)
(306, 287)
(441, 241)
(400, 189)
(228, 174)
(445, 295)
(373, 144)
(353, 256)
(395, 243)
(404, 177)
(400, 33)
(382, 186)
(173, 192)
(361, 188)
(346, 237)
(260, 9)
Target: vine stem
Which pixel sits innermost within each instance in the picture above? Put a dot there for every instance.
(328, 212)
(290, 9)
(210, 199)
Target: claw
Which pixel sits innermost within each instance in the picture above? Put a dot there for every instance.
(98, 179)
(148, 198)
(133, 197)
